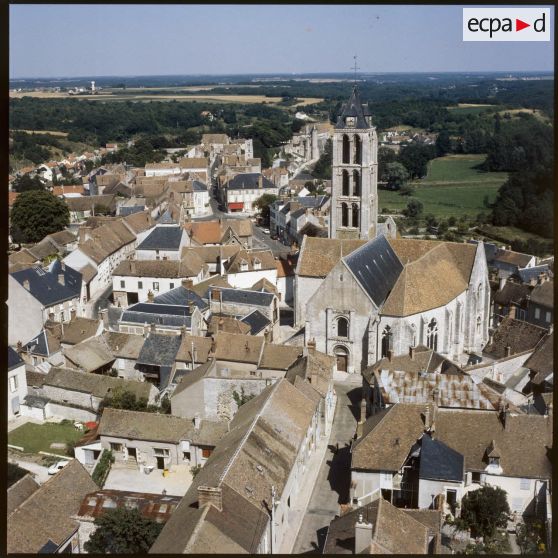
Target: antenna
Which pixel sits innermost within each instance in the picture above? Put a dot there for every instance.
(355, 67)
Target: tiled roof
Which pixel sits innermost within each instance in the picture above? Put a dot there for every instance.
(316, 368)
(318, 256)
(279, 357)
(238, 348)
(202, 347)
(46, 515)
(208, 139)
(44, 344)
(79, 329)
(89, 203)
(541, 362)
(193, 163)
(107, 239)
(511, 257)
(250, 257)
(89, 355)
(44, 285)
(202, 287)
(520, 336)
(155, 427)
(123, 345)
(226, 324)
(512, 293)
(544, 294)
(139, 222)
(163, 238)
(179, 269)
(20, 491)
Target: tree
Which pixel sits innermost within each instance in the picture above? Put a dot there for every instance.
(263, 203)
(530, 537)
(396, 175)
(322, 169)
(415, 157)
(443, 143)
(37, 213)
(485, 510)
(241, 398)
(25, 184)
(414, 208)
(385, 156)
(123, 531)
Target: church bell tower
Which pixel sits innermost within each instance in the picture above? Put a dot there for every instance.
(354, 180)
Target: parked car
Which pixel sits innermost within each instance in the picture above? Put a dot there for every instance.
(266, 231)
(53, 469)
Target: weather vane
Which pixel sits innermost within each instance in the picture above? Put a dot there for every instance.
(355, 67)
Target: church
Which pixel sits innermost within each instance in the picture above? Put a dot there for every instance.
(363, 293)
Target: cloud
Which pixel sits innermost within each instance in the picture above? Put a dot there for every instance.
(308, 29)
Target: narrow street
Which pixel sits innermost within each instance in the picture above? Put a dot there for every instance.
(333, 483)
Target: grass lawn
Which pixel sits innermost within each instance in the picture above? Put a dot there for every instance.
(38, 437)
(453, 187)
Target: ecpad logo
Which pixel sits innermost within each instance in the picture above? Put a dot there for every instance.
(506, 24)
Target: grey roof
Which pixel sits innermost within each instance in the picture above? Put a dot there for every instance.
(198, 186)
(298, 213)
(125, 210)
(439, 462)
(312, 201)
(166, 219)
(14, 360)
(529, 273)
(245, 296)
(376, 267)
(38, 345)
(249, 181)
(163, 238)
(257, 321)
(160, 350)
(44, 285)
(163, 314)
(181, 295)
(353, 108)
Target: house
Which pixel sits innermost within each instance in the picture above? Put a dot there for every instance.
(164, 242)
(510, 300)
(196, 166)
(540, 304)
(91, 356)
(153, 439)
(79, 330)
(395, 293)
(541, 366)
(82, 207)
(126, 349)
(381, 528)
(241, 191)
(44, 350)
(42, 523)
(223, 232)
(192, 196)
(508, 262)
(17, 383)
(156, 360)
(157, 507)
(36, 295)
(463, 450)
(247, 267)
(241, 501)
(132, 280)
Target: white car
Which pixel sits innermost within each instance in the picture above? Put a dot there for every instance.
(266, 231)
(53, 469)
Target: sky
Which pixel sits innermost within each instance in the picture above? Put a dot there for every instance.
(126, 40)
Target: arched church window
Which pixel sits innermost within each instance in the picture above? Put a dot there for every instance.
(386, 341)
(345, 175)
(432, 335)
(479, 325)
(356, 183)
(355, 211)
(342, 327)
(358, 150)
(344, 215)
(346, 149)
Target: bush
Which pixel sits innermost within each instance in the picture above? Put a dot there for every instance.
(485, 510)
(195, 470)
(103, 467)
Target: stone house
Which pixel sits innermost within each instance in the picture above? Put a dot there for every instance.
(17, 383)
(241, 191)
(162, 441)
(247, 267)
(164, 242)
(540, 304)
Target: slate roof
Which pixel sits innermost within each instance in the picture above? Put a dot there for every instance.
(161, 314)
(318, 256)
(166, 219)
(353, 107)
(376, 268)
(259, 451)
(155, 427)
(257, 322)
(529, 273)
(126, 210)
(439, 462)
(44, 285)
(160, 350)
(198, 186)
(312, 201)
(245, 296)
(520, 336)
(181, 296)
(162, 238)
(46, 515)
(249, 181)
(44, 344)
(97, 385)
(14, 360)
(393, 531)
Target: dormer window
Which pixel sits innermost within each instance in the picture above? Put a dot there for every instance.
(494, 461)
(350, 121)
(257, 264)
(243, 265)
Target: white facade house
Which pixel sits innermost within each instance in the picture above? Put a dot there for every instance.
(164, 242)
(17, 383)
(243, 190)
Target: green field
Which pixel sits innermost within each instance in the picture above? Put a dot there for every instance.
(38, 437)
(468, 108)
(453, 187)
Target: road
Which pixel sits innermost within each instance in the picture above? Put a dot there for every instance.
(40, 473)
(332, 486)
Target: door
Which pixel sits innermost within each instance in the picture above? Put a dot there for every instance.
(132, 453)
(15, 405)
(160, 462)
(342, 358)
(89, 457)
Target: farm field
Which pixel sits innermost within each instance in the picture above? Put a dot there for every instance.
(470, 108)
(453, 187)
(49, 132)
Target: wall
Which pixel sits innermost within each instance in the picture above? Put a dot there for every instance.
(366, 486)
(304, 289)
(55, 410)
(20, 391)
(25, 316)
(518, 498)
(61, 395)
(429, 488)
(499, 370)
(245, 279)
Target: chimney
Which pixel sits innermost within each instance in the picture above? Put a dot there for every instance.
(210, 495)
(213, 345)
(26, 284)
(411, 352)
(363, 535)
(312, 346)
(150, 296)
(390, 354)
(502, 283)
(103, 317)
(362, 410)
(152, 328)
(511, 313)
(133, 267)
(84, 233)
(508, 351)
(197, 421)
(19, 347)
(72, 315)
(541, 279)
(260, 181)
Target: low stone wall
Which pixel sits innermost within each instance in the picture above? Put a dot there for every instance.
(70, 413)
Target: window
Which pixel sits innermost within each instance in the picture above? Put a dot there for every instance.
(476, 477)
(537, 313)
(525, 484)
(478, 325)
(13, 383)
(342, 327)
(122, 284)
(186, 455)
(358, 150)
(344, 215)
(171, 285)
(206, 452)
(345, 175)
(155, 286)
(346, 149)
(115, 447)
(548, 318)
(386, 341)
(495, 461)
(161, 452)
(432, 335)
(355, 212)
(140, 284)
(356, 183)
